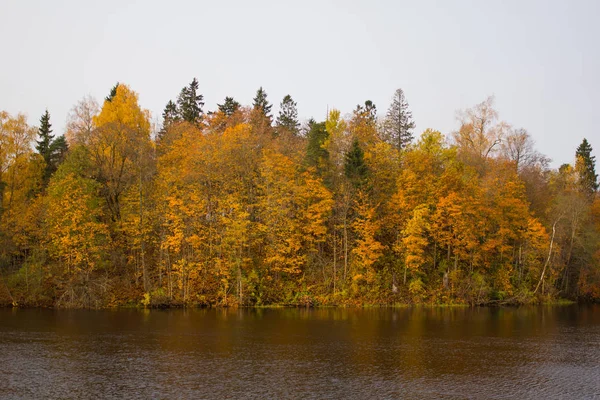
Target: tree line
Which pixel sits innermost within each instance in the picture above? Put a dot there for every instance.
(236, 207)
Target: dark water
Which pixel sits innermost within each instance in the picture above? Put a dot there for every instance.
(537, 353)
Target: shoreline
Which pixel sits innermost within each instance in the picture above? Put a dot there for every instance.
(556, 303)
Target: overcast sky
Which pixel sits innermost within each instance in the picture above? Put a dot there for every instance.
(541, 59)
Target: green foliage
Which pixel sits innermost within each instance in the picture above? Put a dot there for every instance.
(416, 289)
(288, 116)
(369, 110)
(45, 134)
(261, 103)
(229, 106)
(58, 151)
(586, 168)
(190, 103)
(222, 212)
(52, 150)
(112, 94)
(355, 168)
(170, 115)
(316, 153)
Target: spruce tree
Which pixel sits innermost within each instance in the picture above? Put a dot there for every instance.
(45, 134)
(52, 150)
(170, 115)
(586, 167)
(229, 106)
(398, 125)
(355, 168)
(112, 94)
(288, 116)
(190, 103)
(261, 103)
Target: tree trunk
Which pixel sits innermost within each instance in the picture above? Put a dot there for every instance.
(549, 256)
(345, 249)
(334, 260)
(142, 236)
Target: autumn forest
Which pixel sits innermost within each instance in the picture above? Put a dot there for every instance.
(240, 206)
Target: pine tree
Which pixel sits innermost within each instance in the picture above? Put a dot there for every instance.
(58, 152)
(586, 167)
(398, 123)
(229, 106)
(288, 116)
(371, 109)
(367, 113)
(45, 134)
(190, 103)
(355, 168)
(261, 103)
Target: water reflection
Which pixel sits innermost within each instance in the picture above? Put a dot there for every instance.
(302, 353)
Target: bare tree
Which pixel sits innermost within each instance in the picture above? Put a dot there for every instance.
(518, 147)
(480, 133)
(80, 124)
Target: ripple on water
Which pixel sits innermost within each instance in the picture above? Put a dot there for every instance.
(476, 354)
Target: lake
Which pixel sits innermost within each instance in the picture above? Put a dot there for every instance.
(415, 353)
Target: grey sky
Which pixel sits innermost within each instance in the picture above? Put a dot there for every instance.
(541, 59)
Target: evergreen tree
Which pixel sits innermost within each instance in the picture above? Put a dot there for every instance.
(354, 167)
(368, 112)
(190, 103)
(316, 154)
(52, 150)
(229, 106)
(371, 109)
(170, 115)
(398, 123)
(45, 134)
(261, 103)
(564, 168)
(113, 93)
(58, 152)
(586, 167)
(288, 116)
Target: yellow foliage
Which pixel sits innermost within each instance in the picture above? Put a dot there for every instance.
(367, 248)
(75, 233)
(294, 206)
(415, 238)
(123, 109)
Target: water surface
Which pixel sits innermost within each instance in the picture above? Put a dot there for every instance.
(443, 353)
